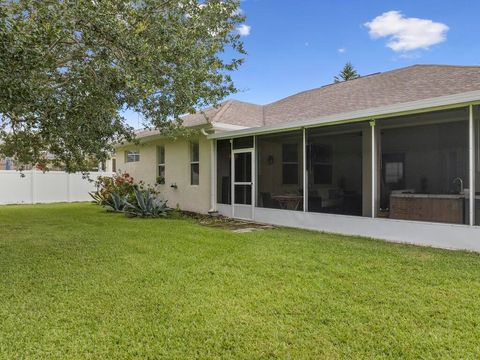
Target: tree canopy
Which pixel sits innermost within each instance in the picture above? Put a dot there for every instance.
(68, 69)
(348, 73)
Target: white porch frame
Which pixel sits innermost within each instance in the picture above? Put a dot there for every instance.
(305, 172)
(252, 183)
(374, 168)
(213, 174)
(471, 148)
(418, 232)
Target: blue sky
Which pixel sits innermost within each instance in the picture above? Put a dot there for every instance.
(298, 45)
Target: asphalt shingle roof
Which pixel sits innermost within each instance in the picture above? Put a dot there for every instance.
(412, 83)
(231, 112)
(402, 85)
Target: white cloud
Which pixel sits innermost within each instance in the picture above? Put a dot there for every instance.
(406, 34)
(342, 50)
(244, 30)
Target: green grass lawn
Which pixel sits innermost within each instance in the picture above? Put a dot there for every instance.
(77, 282)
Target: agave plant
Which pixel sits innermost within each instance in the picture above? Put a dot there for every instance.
(98, 197)
(115, 202)
(145, 205)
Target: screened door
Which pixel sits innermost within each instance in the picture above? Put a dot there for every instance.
(243, 184)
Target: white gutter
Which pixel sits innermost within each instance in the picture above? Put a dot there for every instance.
(228, 127)
(462, 99)
(154, 135)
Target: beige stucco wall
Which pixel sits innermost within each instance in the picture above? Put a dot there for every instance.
(177, 171)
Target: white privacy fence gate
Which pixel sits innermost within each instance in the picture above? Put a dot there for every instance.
(49, 187)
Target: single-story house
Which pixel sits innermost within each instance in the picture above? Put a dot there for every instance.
(393, 155)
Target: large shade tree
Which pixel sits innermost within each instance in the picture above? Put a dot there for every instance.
(69, 69)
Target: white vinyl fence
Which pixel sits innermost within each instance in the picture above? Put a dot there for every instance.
(49, 187)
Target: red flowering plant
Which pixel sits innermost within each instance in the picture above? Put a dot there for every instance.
(121, 184)
(41, 166)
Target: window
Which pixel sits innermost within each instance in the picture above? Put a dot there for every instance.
(132, 156)
(290, 164)
(243, 143)
(194, 163)
(321, 163)
(280, 171)
(161, 165)
(393, 168)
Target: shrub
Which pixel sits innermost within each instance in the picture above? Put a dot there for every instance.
(115, 203)
(145, 205)
(121, 184)
(120, 193)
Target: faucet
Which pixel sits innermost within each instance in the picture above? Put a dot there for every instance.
(460, 180)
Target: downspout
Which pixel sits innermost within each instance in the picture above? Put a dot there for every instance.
(213, 174)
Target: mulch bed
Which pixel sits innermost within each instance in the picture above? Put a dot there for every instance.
(223, 222)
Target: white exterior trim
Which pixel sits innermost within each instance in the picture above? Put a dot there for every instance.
(241, 207)
(456, 100)
(225, 209)
(227, 127)
(440, 235)
(471, 174)
(374, 168)
(213, 174)
(304, 172)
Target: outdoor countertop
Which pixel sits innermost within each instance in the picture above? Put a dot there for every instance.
(433, 196)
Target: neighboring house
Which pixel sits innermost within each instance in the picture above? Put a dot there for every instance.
(393, 155)
(7, 164)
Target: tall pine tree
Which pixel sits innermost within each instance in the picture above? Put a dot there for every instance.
(348, 73)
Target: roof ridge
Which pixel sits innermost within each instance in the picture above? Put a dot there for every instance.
(226, 105)
(441, 65)
(243, 102)
(343, 82)
(371, 75)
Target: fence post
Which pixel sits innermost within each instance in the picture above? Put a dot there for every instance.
(69, 197)
(32, 186)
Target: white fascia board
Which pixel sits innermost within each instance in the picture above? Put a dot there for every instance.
(465, 98)
(156, 136)
(218, 126)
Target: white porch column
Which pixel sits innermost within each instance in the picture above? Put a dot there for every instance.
(232, 172)
(374, 168)
(305, 175)
(254, 176)
(471, 173)
(213, 176)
